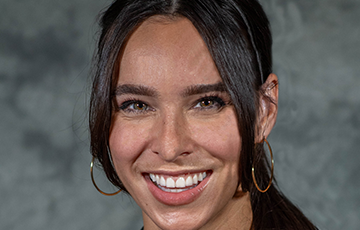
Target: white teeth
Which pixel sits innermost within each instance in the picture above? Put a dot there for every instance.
(170, 183)
(152, 176)
(200, 177)
(157, 179)
(162, 181)
(180, 182)
(195, 179)
(189, 181)
(173, 190)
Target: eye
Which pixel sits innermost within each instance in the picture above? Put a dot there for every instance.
(206, 103)
(134, 106)
(139, 106)
(212, 102)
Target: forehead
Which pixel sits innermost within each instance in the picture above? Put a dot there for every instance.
(165, 49)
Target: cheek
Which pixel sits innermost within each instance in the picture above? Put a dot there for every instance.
(126, 143)
(220, 137)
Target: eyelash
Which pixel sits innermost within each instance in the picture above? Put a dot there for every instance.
(217, 101)
(126, 104)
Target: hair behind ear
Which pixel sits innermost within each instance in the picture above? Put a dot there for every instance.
(267, 108)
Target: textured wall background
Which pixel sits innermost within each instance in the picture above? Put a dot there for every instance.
(45, 54)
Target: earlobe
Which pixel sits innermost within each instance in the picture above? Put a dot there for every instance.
(268, 107)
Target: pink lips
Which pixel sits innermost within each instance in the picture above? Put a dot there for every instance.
(181, 198)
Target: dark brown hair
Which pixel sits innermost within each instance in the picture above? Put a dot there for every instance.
(238, 37)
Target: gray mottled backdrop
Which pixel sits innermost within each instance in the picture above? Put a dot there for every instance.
(45, 56)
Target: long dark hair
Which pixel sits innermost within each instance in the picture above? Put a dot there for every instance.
(238, 37)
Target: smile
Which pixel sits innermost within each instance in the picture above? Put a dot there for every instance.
(179, 183)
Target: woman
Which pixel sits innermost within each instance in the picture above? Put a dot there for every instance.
(183, 100)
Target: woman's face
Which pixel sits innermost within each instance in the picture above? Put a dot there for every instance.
(174, 139)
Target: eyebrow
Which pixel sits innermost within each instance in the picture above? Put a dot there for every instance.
(151, 92)
(135, 89)
(199, 89)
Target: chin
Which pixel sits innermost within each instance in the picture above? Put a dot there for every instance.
(179, 220)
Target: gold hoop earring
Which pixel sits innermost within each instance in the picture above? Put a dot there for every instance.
(272, 170)
(93, 180)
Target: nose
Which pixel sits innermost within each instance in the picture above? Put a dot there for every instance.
(171, 137)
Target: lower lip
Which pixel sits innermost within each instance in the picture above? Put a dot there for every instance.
(181, 198)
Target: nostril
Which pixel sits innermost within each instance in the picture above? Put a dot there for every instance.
(155, 152)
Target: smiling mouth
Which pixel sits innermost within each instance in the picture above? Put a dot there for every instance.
(179, 183)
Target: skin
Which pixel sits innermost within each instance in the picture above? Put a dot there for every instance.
(170, 131)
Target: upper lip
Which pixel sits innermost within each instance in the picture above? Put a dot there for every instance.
(176, 173)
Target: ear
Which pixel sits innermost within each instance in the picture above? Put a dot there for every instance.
(268, 108)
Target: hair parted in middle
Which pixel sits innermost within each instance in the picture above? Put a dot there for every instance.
(238, 37)
(242, 59)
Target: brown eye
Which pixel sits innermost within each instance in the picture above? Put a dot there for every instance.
(206, 103)
(140, 106)
(209, 103)
(135, 106)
